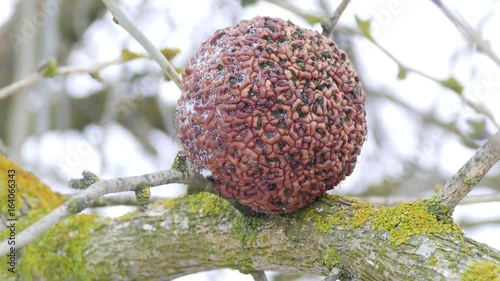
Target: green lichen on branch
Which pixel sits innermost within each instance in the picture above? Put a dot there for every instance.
(33, 198)
(40, 257)
(50, 68)
(142, 195)
(331, 258)
(441, 212)
(87, 180)
(204, 203)
(33, 201)
(471, 181)
(76, 206)
(409, 219)
(246, 228)
(401, 221)
(432, 260)
(481, 271)
(180, 162)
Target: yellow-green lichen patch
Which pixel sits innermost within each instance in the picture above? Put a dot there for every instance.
(362, 213)
(142, 195)
(30, 194)
(177, 164)
(331, 258)
(246, 228)
(432, 261)
(262, 239)
(439, 210)
(408, 219)
(58, 253)
(401, 221)
(471, 181)
(168, 203)
(343, 217)
(481, 271)
(205, 203)
(324, 222)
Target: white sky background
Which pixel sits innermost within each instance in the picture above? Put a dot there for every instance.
(416, 32)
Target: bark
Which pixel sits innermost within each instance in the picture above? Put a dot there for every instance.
(344, 238)
(203, 232)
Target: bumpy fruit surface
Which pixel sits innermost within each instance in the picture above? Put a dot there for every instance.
(273, 113)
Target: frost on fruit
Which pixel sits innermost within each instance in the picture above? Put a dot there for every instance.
(273, 113)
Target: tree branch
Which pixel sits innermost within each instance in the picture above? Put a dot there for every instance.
(201, 232)
(403, 69)
(84, 199)
(36, 77)
(471, 173)
(428, 117)
(121, 200)
(259, 275)
(393, 201)
(329, 24)
(130, 200)
(121, 19)
(468, 32)
(341, 237)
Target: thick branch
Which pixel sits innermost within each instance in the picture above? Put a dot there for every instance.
(471, 173)
(203, 232)
(339, 237)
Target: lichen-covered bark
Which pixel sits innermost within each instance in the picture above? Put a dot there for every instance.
(202, 232)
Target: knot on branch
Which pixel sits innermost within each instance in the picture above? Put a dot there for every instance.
(88, 179)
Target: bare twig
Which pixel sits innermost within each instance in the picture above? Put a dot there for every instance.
(329, 24)
(85, 199)
(259, 275)
(120, 18)
(404, 68)
(301, 13)
(474, 222)
(393, 201)
(471, 173)
(468, 32)
(290, 7)
(120, 200)
(36, 77)
(427, 117)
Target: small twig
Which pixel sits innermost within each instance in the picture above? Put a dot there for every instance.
(329, 24)
(471, 173)
(468, 32)
(405, 68)
(426, 117)
(259, 275)
(35, 77)
(290, 7)
(121, 200)
(474, 222)
(120, 18)
(301, 13)
(393, 201)
(85, 199)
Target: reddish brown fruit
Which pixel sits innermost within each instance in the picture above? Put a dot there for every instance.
(273, 113)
